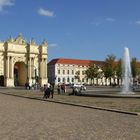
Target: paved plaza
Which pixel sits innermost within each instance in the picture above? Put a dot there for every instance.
(29, 119)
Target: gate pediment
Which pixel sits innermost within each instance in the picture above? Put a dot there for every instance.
(19, 59)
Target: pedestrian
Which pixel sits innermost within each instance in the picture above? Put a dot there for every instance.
(48, 90)
(51, 90)
(45, 89)
(27, 85)
(58, 89)
(63, 88)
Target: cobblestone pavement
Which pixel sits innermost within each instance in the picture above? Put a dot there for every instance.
(25, 119)
(123, 104)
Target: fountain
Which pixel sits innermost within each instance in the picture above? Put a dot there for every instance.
(126, 72)
(126, 91)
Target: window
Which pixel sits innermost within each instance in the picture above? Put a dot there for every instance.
(63, 80)
(79, 80)
(83, 72)
(72, 71)
(68, 72)
(63, 71)
(59, 80)
(72, 80)
(58, 72)
(68, 79)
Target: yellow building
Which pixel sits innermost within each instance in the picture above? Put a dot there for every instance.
(22, 62)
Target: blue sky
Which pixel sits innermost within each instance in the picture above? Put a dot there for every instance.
(82, 29)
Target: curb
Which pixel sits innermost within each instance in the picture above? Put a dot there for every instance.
(74, 104)
(94, 107)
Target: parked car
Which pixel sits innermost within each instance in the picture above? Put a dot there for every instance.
(81, 86)
(136, 86)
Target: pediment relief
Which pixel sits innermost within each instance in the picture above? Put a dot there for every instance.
(19, 59)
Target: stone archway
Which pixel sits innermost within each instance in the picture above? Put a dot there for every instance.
(21, 61)
(20, 74)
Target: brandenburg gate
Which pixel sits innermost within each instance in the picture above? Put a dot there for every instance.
(22, 62)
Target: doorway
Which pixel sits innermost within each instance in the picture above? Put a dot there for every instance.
(20, 74)
(1, 80)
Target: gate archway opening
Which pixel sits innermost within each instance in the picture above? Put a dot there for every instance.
(20, 74)
(1, 80)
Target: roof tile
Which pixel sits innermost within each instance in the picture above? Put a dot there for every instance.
(74, 61)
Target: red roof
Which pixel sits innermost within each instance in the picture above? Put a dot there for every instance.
(74, 61)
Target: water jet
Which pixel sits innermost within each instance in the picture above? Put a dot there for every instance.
(126, 73)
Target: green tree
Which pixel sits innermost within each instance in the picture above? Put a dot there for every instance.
(134, 67)
(119, 71)
(92, 72)
(99, 75)
(109, 68)
(77, 75)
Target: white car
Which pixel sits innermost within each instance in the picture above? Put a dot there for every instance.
(81, 86)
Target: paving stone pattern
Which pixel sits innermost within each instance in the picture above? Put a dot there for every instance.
(28, 119)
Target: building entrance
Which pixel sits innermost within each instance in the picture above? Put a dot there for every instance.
(1, 80)
(20, 74)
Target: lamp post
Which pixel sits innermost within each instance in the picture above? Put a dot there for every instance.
(34, 73)
(35, 78)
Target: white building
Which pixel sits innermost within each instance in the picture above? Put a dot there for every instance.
(62, 70)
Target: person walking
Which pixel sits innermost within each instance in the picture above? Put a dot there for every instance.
(45, 91)
(52, 90)
(63, 88)
(58, 89)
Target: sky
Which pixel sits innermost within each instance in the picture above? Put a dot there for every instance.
(79, 29)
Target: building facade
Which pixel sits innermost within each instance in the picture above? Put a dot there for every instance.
(22, 62)
(62, 70)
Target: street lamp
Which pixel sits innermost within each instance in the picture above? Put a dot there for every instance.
(35, 77)
(34, 73)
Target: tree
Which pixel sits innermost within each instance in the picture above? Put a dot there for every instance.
(109, 68)
(92, 72)
(99, 75)
(77, 75)
(134, 67)
(119, 71)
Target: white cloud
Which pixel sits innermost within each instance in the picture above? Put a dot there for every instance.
(110, 19)
(4, 3)
(101, 21)
(52, 45)
(138, 22)
(96, 23)
(45, 12)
